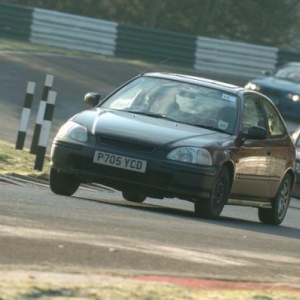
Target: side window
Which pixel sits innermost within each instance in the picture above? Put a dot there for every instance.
(275, 124)
(253, 113)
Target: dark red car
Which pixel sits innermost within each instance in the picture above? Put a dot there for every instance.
(178, 136)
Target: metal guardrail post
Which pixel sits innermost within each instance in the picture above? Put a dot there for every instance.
(26, 111)
(41, 111)
(45, 131)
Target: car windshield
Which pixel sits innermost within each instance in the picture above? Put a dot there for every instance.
(289, 73)
(177, 101)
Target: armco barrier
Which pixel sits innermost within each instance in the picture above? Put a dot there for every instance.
(15, 21)
(73, 32)
(287, 56)
(155, 45)
(234, 58)
(135, 42)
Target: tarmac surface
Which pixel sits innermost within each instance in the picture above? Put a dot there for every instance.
(32, 282)
(74, 77)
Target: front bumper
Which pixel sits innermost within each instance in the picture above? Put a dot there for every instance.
(163, 178)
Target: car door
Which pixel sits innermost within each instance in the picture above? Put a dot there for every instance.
(280, 145)
(253, 160)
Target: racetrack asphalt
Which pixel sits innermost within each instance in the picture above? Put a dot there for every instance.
(33, 283)
(73, 78)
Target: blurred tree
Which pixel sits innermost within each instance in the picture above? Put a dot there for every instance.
(189, 16)
(205, 14)
(265, 22)
(152, 13)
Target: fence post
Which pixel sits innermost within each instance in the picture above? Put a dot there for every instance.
(41, 111)
(45, 131)
(26, 111)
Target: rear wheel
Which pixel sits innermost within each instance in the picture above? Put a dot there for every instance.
(280, 204)
(62, 183)
(211, 208)
(133, 196)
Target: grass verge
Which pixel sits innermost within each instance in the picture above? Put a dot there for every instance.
(21, 162)
(12, 45)
(7, 44)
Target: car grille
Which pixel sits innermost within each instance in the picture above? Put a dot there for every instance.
(127, 145)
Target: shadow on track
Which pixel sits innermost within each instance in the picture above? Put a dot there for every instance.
(230, 222)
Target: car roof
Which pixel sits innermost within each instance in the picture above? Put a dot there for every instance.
(231, 88)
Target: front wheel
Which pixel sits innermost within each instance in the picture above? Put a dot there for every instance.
(280, 204)
(211, 208)
(62, 183)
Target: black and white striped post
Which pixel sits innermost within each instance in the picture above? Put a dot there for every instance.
(45, 131)
(41, 111)
(26, 111)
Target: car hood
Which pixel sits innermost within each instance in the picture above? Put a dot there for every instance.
(150, 130)
(277, 83)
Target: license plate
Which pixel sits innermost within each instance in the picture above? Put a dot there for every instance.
(118, 161)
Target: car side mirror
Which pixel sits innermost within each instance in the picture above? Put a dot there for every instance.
(256, 133)
(92, 99)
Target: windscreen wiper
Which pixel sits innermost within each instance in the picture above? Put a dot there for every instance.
(210, 127)
(149, 114)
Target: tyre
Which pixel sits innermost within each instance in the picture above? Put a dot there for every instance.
(211, 208)
(133, 196)
(62, 183)
(280, 204)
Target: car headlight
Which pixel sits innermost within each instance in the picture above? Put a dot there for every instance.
(293, 97)
(73, 131)
(191, 155)
(252, 86)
